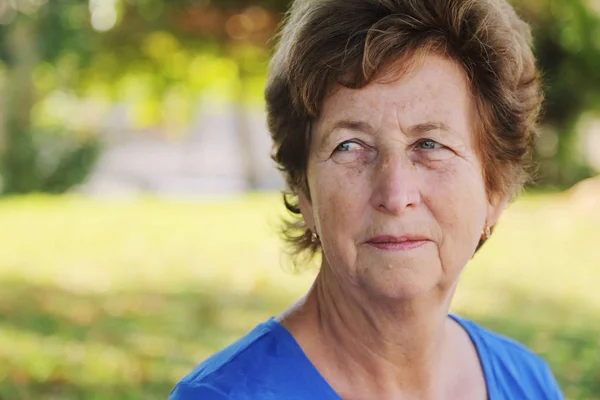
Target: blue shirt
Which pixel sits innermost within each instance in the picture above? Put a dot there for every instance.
(268, 364)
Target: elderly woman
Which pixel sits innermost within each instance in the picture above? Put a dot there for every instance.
(403, 128)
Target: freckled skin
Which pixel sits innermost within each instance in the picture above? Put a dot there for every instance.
(390, 182)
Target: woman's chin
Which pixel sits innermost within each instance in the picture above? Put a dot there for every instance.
(400, 282)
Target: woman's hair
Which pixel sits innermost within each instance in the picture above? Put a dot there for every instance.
(350, 42)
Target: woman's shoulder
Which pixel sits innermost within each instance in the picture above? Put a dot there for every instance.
(509, 365)
(214, 377)
(265, 362)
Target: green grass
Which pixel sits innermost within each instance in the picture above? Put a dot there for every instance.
(119, 299)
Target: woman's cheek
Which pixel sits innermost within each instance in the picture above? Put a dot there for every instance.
(342, 191)
(437, 176)
(347, 176)
(454, 187)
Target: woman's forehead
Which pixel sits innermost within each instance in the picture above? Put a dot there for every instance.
(436, 87)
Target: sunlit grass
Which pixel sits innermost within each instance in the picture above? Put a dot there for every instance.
(119, 299)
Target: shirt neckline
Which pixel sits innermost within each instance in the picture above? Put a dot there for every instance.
(477, 343)
(295, 347)
(481, 350)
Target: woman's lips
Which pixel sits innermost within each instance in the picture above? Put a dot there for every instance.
(397, 243)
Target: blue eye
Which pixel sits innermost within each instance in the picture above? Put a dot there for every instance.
(427, 144)
(347, 146)
(353, 151)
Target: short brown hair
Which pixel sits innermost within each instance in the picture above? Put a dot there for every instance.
(349, 42)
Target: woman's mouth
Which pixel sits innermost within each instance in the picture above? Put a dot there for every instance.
(398, 243)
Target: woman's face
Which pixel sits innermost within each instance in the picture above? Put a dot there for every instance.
(396, 187)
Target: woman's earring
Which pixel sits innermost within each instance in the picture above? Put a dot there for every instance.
(487, 231)
(314, 237)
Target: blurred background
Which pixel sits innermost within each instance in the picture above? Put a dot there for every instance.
(139, 207)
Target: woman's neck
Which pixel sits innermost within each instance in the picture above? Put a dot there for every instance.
(373, 346)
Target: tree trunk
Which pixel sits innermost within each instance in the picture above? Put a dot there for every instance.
(17, 153)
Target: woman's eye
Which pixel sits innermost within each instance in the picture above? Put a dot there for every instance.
(347, 146)
(428, 144)
(351, 151)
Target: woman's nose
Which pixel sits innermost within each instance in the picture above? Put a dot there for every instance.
(395, 185)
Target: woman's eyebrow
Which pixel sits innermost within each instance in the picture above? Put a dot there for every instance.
(353, 125)
(349, 124)
(413, 130)
(421, 128)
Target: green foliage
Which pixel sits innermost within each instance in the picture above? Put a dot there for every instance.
(120, 299)
(566, 36)
(25, 172)
(72, 167)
